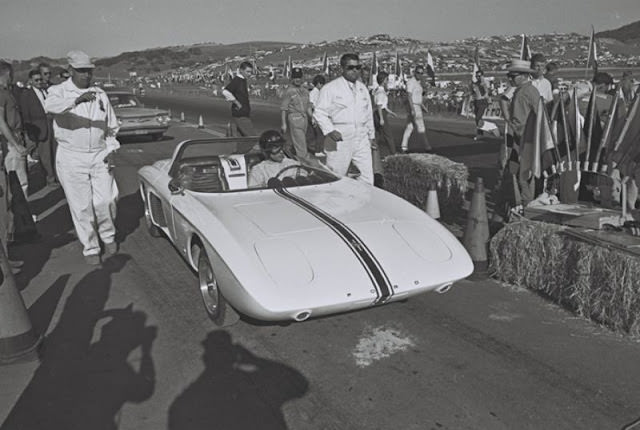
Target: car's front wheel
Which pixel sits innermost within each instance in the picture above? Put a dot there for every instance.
(215, 304)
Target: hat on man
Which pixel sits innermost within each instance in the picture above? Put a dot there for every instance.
(296, 72)
(520, 66)
(79, 60)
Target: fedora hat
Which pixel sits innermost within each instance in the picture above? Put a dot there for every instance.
(520, 66)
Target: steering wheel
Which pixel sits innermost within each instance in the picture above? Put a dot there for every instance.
(309, 170)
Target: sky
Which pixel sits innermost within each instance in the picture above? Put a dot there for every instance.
(102, 28)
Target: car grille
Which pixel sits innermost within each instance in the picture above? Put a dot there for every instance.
(156, 210)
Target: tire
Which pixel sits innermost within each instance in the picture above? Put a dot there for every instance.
(218, 309)
(152, 229)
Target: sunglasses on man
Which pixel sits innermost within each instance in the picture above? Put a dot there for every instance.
(353, 67)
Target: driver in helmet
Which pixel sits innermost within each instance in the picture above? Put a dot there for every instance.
(272, 144)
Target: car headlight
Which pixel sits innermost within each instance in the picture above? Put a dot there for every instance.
(162, 119)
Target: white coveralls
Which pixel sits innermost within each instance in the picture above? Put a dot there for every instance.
(349, 111)
(86, 135)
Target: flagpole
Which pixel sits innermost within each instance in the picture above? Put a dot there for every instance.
(607, 132)
(565, 128)
(591, 119)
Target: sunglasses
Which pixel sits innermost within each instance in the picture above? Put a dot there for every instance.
(276, 151)
(512, 75)
(353, 67)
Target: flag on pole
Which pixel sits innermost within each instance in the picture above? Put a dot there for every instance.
(575, 123)
(592, 131)
(398, 69)
(476, 64)
(525, 50)
(431, 70)
(626, 155)
(539, 156)
(374, 72)
(611, 132)
(325, 64)
(592, 58)
(254, 66)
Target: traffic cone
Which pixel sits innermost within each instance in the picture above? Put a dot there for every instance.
(229, 130)
(432, 208)
(200, 122)
(18, 340)
(182, 117)
(476, 236)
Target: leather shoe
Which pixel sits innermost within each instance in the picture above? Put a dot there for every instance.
(110, 248)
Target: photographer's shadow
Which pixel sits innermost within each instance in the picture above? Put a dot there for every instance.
(94, 361)
(237, 390)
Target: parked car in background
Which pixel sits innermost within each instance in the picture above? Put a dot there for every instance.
(134, 118)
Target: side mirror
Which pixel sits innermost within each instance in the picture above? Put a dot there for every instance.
(176, 187)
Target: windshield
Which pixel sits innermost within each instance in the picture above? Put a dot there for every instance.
(123, 100)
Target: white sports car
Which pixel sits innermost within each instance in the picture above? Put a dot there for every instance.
(308, 244)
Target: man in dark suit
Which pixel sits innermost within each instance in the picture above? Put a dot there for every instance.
(37, 125)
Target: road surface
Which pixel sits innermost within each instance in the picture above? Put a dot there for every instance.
(129, 346)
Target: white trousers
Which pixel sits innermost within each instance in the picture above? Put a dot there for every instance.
(18, 163)
(91, 192)
(356, 149)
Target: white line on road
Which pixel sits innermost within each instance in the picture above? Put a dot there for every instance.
(379, 343)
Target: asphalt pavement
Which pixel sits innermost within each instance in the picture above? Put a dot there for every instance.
(128, 344)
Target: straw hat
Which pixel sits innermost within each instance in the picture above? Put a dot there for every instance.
(520, 66)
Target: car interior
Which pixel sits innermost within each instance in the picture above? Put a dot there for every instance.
(225, 166)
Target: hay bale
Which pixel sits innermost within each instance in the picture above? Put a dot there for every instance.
(594, 282)
(410, 176)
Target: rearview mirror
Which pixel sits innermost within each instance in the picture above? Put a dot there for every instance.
(175, 186)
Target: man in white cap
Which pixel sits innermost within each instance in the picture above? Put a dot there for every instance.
(85, 127)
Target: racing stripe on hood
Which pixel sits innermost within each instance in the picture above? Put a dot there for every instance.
(379, 279)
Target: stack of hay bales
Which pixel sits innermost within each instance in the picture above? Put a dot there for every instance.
(593, 281)
(411, 175)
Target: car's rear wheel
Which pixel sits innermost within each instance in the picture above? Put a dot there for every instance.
(215, 304)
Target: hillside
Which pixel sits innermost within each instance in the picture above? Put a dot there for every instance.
(629, 33)
(209, 60)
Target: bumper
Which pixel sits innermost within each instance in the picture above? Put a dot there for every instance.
(141, 131)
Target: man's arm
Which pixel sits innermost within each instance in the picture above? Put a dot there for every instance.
(12, 139)
(321, 114)
(56, 103)
(228, 91)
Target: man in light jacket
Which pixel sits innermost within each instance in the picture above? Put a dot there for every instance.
(85, 127)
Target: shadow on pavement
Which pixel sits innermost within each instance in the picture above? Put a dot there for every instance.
(237, 390)
(85, 376)
(130, 211)
(41, 312)
(54, 233)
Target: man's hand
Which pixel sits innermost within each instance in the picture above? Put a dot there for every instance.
(335, 135)
(238, 104)
(89, 96)
(21, 150)
(109, 161)
(373, 144)
(283, 128)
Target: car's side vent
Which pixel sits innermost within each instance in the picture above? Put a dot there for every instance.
(156, 210)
